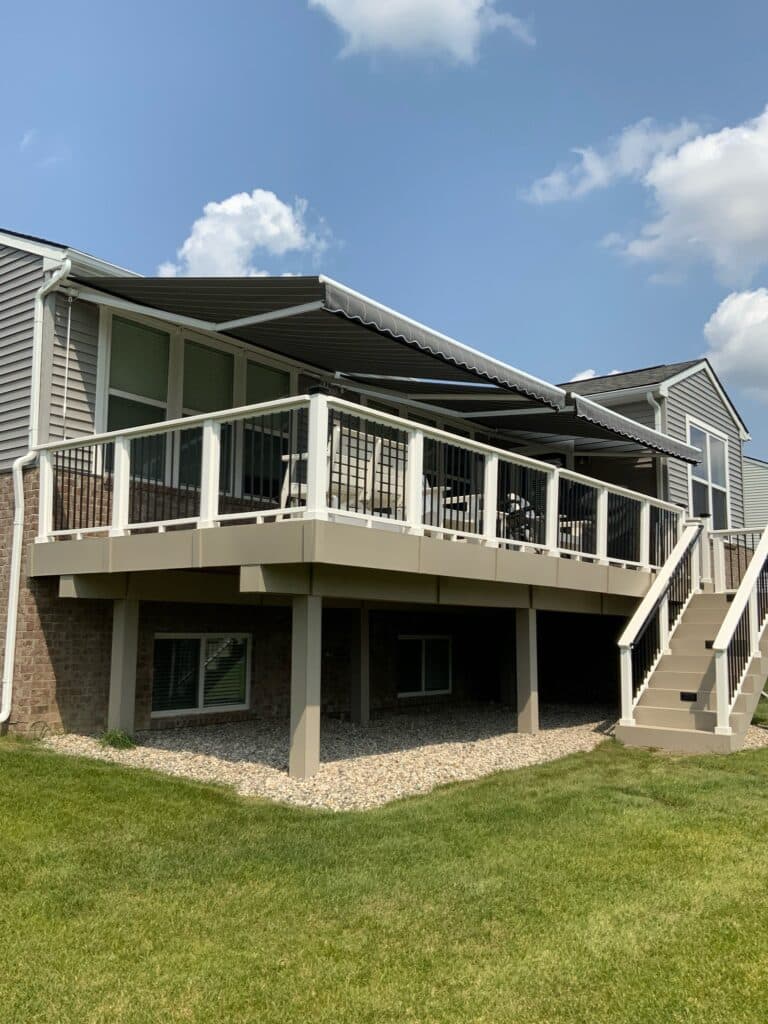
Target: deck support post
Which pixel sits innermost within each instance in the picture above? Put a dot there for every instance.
(526, 657)
(306, 667)
(361, 682)
(121, 707)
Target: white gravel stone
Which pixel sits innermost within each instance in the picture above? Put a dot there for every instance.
(361, 767)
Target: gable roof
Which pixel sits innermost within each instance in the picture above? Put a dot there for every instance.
(646, 377)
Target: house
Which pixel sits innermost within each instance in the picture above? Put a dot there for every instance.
(755, 492)
(231, 498)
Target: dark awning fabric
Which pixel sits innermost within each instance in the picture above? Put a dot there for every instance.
(349, 334)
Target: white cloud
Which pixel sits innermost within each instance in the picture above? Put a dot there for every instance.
(231, 234)
(709, 191)
(737, 333)
(590, 373)
(420, 26)
(27, 139)
(712, 197)
(629, 155)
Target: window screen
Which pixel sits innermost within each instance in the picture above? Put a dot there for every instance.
(264, 384)
(208, 376)
(138, 361)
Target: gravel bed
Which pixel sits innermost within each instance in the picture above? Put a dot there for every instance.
(361, 767)
(396, 756)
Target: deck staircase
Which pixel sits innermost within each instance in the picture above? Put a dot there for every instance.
(695, 662)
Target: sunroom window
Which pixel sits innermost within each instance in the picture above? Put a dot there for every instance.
(709, 478)
(200, 672)
(264, 447)
(138, 388)
(208, 387)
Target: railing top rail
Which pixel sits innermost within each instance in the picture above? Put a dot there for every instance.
(375, 415)
(741, 597)
(660, 585)
(184, 422)
(740, 532)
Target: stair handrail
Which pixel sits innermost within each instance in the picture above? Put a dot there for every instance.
(738, 639)
(656, 597)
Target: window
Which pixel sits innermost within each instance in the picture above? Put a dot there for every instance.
(208, 387)
(709, 479)
(200, 672)
(263, 383)
(138, 387)
(423, 665)
(263, 449)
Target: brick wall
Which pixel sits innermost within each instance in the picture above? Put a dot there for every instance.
(62, 646)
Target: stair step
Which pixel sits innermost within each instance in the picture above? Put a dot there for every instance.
(695, 615)
(687, 644)
(685, 717)
(686, 662)
(677, 741)
(706, 700)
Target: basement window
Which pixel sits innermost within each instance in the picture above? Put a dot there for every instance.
(423, 665)
(200, 672)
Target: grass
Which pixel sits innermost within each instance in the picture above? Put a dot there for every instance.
(760, 716)
(118, 739)
(615, 886)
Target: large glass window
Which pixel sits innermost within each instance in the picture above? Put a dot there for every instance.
(265, 384)
(423, 665)
(709, 478)
(200, 672)
(208, 387)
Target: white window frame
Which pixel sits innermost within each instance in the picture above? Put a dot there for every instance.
(693, 421)
(422, 637)
(201, 709)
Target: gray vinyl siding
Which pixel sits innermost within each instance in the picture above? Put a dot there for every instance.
(696, 396)
(81, 373)
(755, 492)
(21, 274)
(640, 411)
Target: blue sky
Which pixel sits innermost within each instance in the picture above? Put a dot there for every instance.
(402, 156)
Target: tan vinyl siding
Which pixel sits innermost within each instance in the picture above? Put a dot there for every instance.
(21, 274)
(81, 374)
(755, 492)
(696, 396)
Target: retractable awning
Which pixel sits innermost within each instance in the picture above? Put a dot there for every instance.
(332, 328)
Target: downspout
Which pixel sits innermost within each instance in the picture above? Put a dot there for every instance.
(655, 404)
(17, 542)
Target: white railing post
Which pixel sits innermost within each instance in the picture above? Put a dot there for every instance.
(552, 520)
(723, 727)
(121, 486)
(645, 533)
(696, 564)
(754, 625)
(718, 563)
(414, 483)
(317, 458)
(664, 625)
(45, 497)
(491, 500)
(601, 525)
(210, 462)
(706, 559)
(625, 664)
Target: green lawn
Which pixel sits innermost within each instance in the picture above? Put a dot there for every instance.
(615, 886)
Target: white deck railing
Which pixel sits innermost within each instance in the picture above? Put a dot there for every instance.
(646, 638)
(739, 637)
(325, 458)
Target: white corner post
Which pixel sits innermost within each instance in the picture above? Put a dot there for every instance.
(625, 667)
(705, 563)
(45, 499)
(527, 674)
(306, 672)
(121, 708)
(317, 465)
(414, 483)
(718, 563)
(361, 682)
(490, 500)
(121, 486)
(552, 520)
(209, 473)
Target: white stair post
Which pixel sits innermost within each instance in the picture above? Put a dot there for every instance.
(723, 727)
(317, 464)
(718, 564)
(625, 665)
(414, 483)
(121, 486)
(491, 500)
(663, 614)
(706, 559)
(754, 624)
(209, 473)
